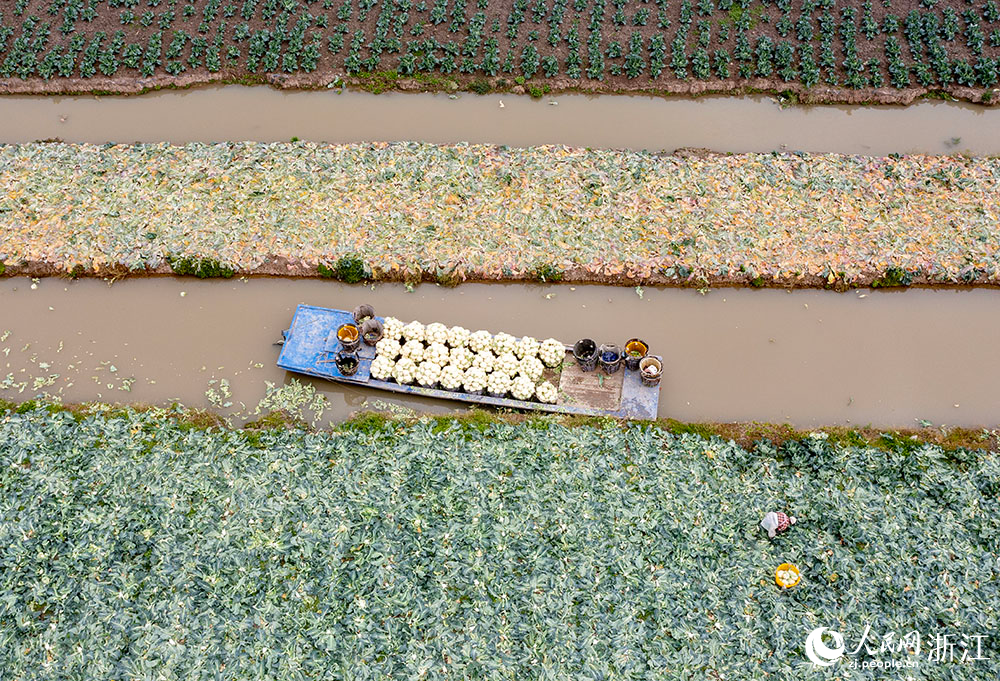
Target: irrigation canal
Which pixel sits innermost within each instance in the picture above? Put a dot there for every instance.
(726, 124)
(809, 358)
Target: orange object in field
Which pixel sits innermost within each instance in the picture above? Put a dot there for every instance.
(785, 581)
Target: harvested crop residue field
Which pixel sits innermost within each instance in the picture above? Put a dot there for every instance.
(890, 52)
(408, 212)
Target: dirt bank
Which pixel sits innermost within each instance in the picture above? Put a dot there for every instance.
(790, 94)
(298, 269)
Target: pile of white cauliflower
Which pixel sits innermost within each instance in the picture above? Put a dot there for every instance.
(456, 359)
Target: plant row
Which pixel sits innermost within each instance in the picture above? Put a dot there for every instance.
(816, 41)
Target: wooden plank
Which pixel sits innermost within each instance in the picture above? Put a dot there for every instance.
(592, 389)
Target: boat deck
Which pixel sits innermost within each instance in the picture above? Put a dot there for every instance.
(311, 343)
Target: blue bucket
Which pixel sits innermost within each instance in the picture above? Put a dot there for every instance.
(610, 357)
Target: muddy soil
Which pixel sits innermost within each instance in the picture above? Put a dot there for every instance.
(295, 269)
(789, 92)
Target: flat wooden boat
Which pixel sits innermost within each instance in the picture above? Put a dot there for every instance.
(311, 343)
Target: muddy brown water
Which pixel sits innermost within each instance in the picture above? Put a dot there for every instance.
(729, 124)
(807, 357)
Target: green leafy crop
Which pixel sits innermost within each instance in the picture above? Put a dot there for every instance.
(941, 46)
(548, 273)
(893, 277)
(134, 546)
(349, 269)
(201, 268)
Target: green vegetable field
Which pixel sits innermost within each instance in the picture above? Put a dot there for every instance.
(134, 542)
(622, 44)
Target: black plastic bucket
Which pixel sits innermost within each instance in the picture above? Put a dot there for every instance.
(349, 336)
(363, 312)
(347, 363)
(585, 353)
(650, 371)
(610, 356)
(371, 331)
(635, 351)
